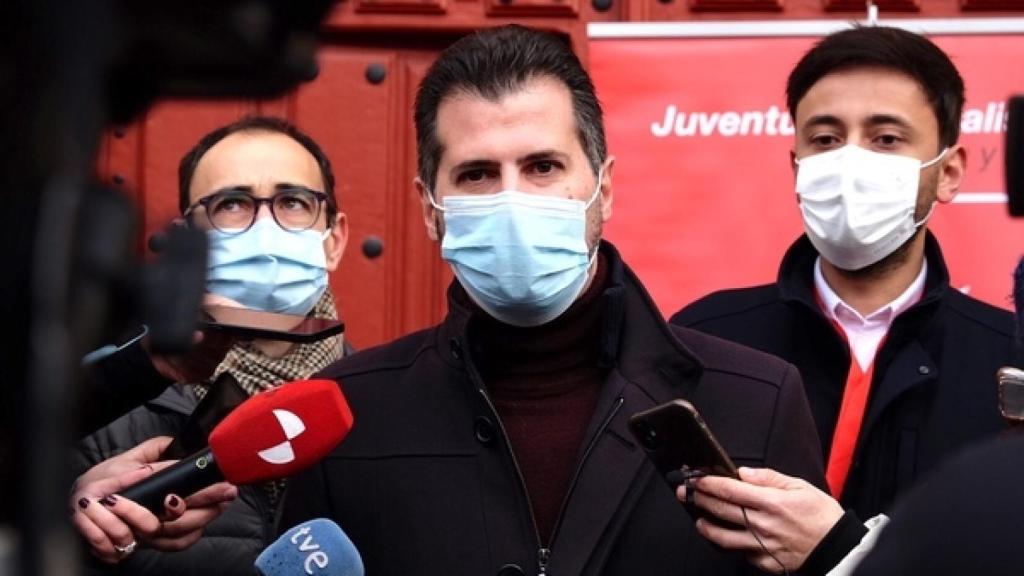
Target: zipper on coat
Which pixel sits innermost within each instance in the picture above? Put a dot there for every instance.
(522, 483)
(579, 468)
(544, 552)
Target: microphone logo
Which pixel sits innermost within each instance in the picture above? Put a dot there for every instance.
(292, 426)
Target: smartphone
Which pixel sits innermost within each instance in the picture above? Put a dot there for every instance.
(248, 323)
(675, 437)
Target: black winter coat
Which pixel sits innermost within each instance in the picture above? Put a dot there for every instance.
(230, 543)
(963, 519)
(933, 389)
(426, 484)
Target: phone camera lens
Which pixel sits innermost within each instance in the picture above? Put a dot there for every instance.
(650, 438)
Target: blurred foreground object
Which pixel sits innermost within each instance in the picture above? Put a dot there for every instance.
(67, 70)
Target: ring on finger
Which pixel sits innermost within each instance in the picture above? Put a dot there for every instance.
(124, 551)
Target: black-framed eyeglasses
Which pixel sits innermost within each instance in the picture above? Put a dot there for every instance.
(234, 211)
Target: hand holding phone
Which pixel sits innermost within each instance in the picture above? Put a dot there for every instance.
(680, 445)
(675, 437)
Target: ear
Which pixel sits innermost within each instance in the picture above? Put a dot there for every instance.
(334, 244)
(430, 215)
(607, 192)
(794, 167)
(951, 173)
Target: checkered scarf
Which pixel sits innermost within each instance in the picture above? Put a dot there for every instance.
(256, 372)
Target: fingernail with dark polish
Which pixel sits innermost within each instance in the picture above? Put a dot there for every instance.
(172, 501)
(83, 503)
(108, 501)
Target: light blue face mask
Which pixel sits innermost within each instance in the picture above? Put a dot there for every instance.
(268, 268)
(523, 258)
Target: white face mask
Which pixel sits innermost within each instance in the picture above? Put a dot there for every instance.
(858, 205)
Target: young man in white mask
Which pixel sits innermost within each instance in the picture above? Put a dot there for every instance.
(496, 442)
(898, 365)
(264, 193)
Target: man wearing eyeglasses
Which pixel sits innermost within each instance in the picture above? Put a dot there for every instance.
(264, 194)
(274, 233)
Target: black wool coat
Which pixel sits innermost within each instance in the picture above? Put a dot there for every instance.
(933, 389)
(426, 483)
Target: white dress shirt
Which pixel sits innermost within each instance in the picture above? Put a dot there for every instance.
(865, 333)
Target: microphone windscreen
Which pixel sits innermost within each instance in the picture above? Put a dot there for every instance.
(280, 432)
(318, 547)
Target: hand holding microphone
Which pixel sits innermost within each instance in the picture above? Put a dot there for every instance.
(114, 527)
(272, 435)
(318, 547)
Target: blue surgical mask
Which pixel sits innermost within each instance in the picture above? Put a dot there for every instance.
(268, 268)
(523, 258)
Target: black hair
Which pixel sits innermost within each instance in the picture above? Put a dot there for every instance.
(892, 48)
(189, 162)
(497, 61)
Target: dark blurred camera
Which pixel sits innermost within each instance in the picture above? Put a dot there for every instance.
(72, 279)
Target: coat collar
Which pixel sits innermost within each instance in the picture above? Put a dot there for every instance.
(651, 366)
(796, 278)
(902, 363)
(635, 347)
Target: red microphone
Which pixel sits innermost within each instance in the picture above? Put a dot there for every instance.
(271, 435)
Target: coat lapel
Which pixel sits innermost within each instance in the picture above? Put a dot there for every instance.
(649, 366)
(613, 474)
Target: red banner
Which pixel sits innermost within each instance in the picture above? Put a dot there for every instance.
(704, 195)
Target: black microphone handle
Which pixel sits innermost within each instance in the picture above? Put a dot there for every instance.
(185, 477)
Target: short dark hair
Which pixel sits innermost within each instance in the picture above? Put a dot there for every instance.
(893, 48)
(497, 61)
(189, 162)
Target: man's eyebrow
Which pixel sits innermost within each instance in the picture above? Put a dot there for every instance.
(244, 189)
(290, 186)
(237, 188)
(873, 120)
(823, 120)
(877, 119)
(483, 164)
(476, 164)
(543, 155)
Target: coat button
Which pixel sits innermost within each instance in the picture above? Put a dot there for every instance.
(511, 570)
(455, 348)
(484, 430)
(923, 370)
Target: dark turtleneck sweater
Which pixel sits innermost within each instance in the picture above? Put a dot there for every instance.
(544, 382)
